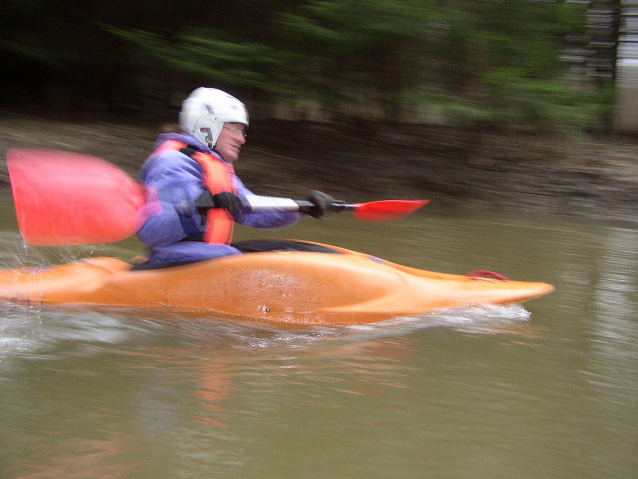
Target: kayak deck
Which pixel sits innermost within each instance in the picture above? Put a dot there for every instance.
(284, 286)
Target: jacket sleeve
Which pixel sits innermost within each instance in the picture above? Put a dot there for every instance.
(266, 220)
(172, 178)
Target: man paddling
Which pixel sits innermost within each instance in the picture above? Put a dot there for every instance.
(197, 158)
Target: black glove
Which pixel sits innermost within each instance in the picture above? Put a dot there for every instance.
(321, 204)
(231, 202)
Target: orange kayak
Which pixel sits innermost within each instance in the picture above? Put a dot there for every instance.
(285, 282)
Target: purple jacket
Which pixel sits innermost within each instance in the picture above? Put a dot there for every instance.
(178, 178)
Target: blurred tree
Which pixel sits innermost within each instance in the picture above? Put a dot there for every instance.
(56, 52)
(479, 62)
(475, 62)
(516, 47)
(372, 46)
(231, 46)
(203, 56)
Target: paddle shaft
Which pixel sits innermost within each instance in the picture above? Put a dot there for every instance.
(270, 203)
(384, 210)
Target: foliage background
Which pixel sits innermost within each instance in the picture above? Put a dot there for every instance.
(469, 63)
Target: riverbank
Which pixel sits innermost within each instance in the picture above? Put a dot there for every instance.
(591, 177)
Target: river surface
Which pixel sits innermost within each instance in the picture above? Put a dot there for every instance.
(543, 390)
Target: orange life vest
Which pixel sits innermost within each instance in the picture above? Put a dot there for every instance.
(217, 179)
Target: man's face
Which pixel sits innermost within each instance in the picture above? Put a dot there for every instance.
(230, 140)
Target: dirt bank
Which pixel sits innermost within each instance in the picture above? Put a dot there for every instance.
(587, 177)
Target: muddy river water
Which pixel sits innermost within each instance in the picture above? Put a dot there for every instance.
(544, 389)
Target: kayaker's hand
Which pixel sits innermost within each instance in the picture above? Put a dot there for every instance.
(230, 202)
(186, 208)
(182, 204)
(321, 204)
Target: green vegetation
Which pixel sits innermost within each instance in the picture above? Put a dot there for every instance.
(474, 63)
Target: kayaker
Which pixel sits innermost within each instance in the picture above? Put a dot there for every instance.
(199, 155)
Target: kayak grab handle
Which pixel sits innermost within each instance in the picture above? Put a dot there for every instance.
(484, 275)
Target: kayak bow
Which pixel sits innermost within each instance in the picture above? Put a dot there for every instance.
(299, 283)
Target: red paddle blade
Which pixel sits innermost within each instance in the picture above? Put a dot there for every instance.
(387, 210)
(64, 198)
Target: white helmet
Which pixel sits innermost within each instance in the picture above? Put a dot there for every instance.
(206, 110)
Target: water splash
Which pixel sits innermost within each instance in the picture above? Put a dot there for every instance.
(15, 253)
(483, 319)
(487, 319)
(45, 333)
(48, 334)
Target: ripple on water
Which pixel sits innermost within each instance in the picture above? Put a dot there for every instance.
(53, 332)
(50, 333)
